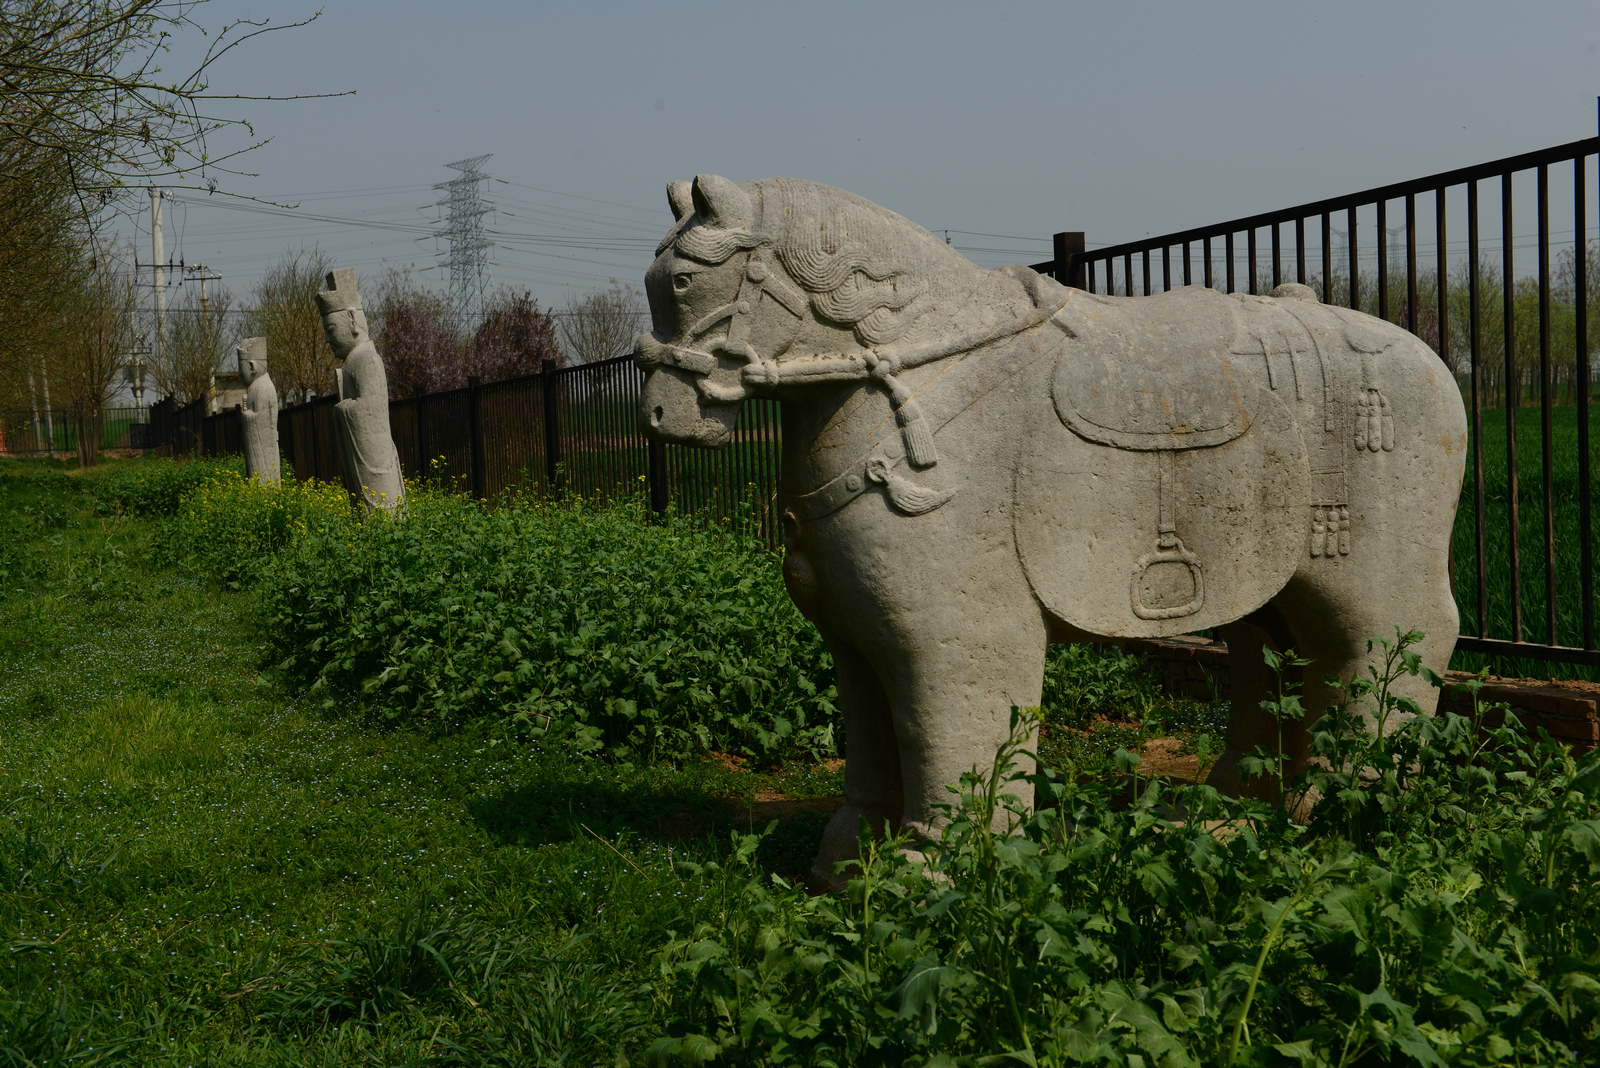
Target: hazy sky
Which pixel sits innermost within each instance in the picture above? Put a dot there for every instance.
(1000, 122)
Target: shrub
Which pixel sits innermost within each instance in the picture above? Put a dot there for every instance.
(581, 625)
(1085, 934)
(157, 485)
(229, 526)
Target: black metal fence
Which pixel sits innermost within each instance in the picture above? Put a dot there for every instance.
(572, 430)
(53, 431)
(1506, 305)
(1514, 337)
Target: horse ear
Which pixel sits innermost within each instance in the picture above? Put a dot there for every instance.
(721, 204)
(681, 199)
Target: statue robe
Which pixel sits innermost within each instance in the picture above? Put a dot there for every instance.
(260, 419)
(366, 447)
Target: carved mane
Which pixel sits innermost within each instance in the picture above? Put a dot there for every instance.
(861, 265)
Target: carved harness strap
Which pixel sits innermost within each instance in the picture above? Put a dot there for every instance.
(758, 282)
(906, 496)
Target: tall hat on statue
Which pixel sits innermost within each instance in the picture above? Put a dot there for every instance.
(253, 349)
(339, 292)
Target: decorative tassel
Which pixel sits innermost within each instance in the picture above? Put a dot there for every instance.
(914, 430)
(905, 495)
(1388, 423)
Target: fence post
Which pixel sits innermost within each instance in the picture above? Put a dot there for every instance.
(424, 442)
(475, 436)
(659, 495)
(314, 453)
(1069, 249)
(552, 433)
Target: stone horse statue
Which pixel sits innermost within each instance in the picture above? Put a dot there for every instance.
(979, 462)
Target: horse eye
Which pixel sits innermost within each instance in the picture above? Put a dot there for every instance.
(680, 282)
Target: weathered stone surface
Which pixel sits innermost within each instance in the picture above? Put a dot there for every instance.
(260, 413)
(979, 462)
(366, 448)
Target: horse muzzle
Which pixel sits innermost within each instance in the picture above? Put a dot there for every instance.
(671, 409)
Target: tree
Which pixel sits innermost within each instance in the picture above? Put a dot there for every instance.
(414, 328)
(603, 324)
(86, 114)
(285, 313)
(415, 332)
(79, 87)
(516, 338)
(200, 334)
(94, 341)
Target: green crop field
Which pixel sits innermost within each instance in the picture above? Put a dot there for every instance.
(1532, 541)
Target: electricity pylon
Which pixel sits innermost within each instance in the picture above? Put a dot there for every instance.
(468, 258)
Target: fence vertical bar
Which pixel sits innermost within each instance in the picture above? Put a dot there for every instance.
(1187, 272)
(1166, 268)
(1250, 245)
(1146, 272)
(1300, 250)
(1127, 272)
(475, 435)
(1383, 260)
(1513, 397)
(1277, 255)
(553, 471)
(1546, 440)
(1327, 258)
(1441, 268)
(424, 438)
(1581, 325)
(1411, 262)
(1208, 263)
(1475, 341)
(1355, 263)
(1228, 251)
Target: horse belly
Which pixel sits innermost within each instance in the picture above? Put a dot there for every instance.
(1144, 544)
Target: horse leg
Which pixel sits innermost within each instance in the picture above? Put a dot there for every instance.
(1334, 617)
(1327, 619)
(952, 694)
(872, 789)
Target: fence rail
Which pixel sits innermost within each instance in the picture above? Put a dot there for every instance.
(1472, 306)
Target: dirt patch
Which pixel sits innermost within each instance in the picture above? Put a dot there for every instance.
(1161, 757)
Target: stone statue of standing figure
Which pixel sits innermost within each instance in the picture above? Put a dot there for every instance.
(366, 448)
(260, 414)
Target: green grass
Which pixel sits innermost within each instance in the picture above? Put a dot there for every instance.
(173, 828)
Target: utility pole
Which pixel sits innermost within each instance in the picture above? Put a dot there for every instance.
(140, 351)
(205, 326)
(158, 345)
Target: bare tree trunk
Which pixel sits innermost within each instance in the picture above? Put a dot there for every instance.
(33, 399)
(49, 418)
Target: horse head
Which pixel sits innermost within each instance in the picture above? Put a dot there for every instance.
(757, 276)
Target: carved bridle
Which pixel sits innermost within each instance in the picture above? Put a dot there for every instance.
(758, 282)
(878, 366)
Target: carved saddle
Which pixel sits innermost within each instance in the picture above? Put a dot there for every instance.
(1157, 376)
(1175, 472)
